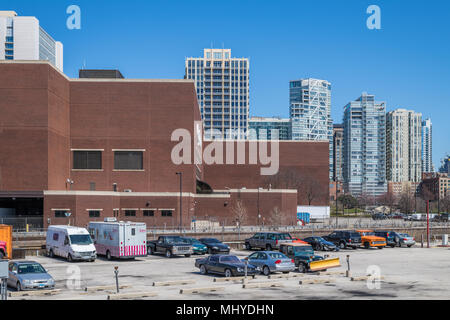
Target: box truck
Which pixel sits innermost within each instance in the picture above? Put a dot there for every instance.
(123, 240)
(72, 243)
(5, 241)
(314, 212)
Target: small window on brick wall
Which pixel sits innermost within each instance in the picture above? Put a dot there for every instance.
(148, 213)
(60, 213)
(166, 213)
(94, 213)
(130, 213)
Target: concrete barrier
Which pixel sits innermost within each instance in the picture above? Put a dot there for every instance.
(200, 290)
(104, 288)
(172, 283)
(286, 276)
(34, 293)
(314, 281)
(261, 285)
(118, 296)
(330, 273)
(232, 279)
(362, 278)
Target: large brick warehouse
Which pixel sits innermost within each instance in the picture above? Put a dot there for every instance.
(77, 150)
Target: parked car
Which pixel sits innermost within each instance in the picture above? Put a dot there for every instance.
(271, 261)
(344, 239)
(170, 246)
(392, 238)
(72, 243)
(215, 246)
(320, 244)
(227, 265)
(379, 216)
(443, 217)
(370, 240)
(305, 259)
(407, 240)
(29, 275)
(122, 240)
(267, 240)
(197, 246)
(3, 250)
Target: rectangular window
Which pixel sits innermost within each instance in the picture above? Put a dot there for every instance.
(128, 160)
(148, 213)
(94, 213)
(60, 213)
(87, 160)
(130, 213)
(166, 213)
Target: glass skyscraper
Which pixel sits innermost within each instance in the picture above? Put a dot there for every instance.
(427, 146)
(365, 147)
(222, 84)
(310, 112)
(261, 128)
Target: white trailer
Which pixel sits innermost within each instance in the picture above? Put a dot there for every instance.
(123, 240)
(315, 212)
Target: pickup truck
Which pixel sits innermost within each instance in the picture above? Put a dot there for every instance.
(3, 251)
(305, 259)
(170, 246)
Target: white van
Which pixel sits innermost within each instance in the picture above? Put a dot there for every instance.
(72, 243)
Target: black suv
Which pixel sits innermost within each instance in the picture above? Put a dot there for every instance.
(344, 239)
(392, 237)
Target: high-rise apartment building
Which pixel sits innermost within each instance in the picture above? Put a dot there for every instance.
(403, 146)
(365, 147)
(427, 146)
(22, 38)
(338, 147)
(222, 85)
(261, 128)
(310, 112)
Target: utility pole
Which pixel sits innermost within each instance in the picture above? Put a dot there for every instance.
(181, 199)
(336, 198)
(428, 223)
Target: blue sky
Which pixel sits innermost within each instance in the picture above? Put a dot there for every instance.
(406, 63)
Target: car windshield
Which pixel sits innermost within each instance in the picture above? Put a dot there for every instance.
(368, 233)
(211, 240)
(30, 268)
(283, 236)
(80, 239)
(230, 259)
(276, 255)
(303, 248)
(174, 240)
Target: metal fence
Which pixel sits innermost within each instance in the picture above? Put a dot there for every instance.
(23, 224)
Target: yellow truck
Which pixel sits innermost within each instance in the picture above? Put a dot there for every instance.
(370, 240)
(5, 241)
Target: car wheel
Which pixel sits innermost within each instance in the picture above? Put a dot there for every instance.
(168, 254)
(301, 268)
(149, 251)
(266, 270)
(392, 245)
(380, 248)
(268, 247)
(203, 269)
(187, 255)
(18, 286)
(228, 273)
(409, 245)
(366, 245)
(108, 255)
(321, 248)
(210, 251)
(248, 246)
(342, 245)
(69, 258)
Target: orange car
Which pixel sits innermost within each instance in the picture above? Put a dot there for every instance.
(369, 239)
(297, 240)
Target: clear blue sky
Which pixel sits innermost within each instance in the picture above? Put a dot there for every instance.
(406, 64)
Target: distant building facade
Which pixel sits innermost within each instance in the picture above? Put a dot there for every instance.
(404, 146)
(427, 146)
(310, 112)
(365, 147)
(445, 165)
(261, 128)
(22, 38)
(222, 85)
(338, 145)
(435, 185)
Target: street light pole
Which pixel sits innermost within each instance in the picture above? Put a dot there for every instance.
(258, 208)
(181, 198)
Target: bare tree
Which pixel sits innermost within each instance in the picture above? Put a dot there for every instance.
(240, 213)
(445, 204)
(276, 217)
(388, 199)
(406, 202)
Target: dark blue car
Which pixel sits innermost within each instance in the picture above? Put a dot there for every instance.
(215, 246)
(320, 244)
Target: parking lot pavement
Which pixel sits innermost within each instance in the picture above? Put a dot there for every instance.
(407, 273)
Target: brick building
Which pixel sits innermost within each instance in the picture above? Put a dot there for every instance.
(102, 147)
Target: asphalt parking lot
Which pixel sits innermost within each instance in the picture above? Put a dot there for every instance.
(406, 273)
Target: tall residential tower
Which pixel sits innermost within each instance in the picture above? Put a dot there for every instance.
(427, 146)
(22, 38)
(365, 147)
(310, 112)
(222, 84)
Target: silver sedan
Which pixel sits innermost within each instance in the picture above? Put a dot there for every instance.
(29, 275)
(407, 240)
(271, 261)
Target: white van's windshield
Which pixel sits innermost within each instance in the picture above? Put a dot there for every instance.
(80, 239)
